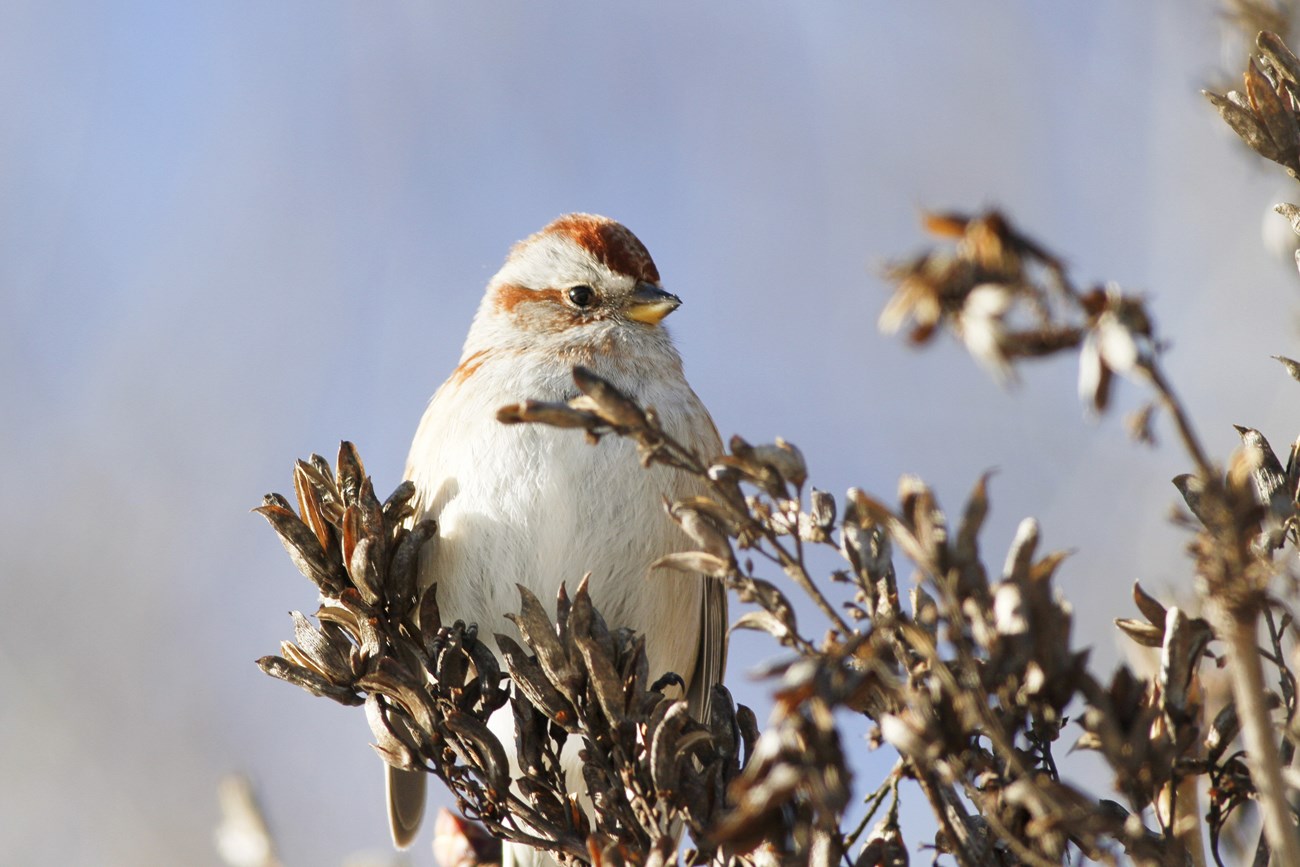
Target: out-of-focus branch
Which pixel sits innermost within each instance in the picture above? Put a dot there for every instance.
(1000, 293)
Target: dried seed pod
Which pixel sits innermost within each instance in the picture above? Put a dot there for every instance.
(372, 519)
(785, 458)
(365, 571)
(528, 677)
(327, 658)
(972, 520)
(702, 529)
(398, 505)
(1185, 640)
(1279, 55)
(593, 642)
(367, 628)
(1021, 554)
(389, 744)
(763, 621)
(663, 753)
(1268, 475)
(543, 800)
(612, 405)
(481, 750)
(307, 679)
(304, 549)
(559, 415)
(822, 511)
(450, 664)
(309, 505)
(351, 472)
(1245, 124)
(1223, 731)
(403, 568)
(1145, 634)
(429, 616)
(694, 562)
(530, 736)
(1291, 366)
(1150, 607)
(1193, 489)
(540, 637)
(487, 674)
(722, 723)
(1274, 111)
(317, 473)
(747, 724)
(394, 683)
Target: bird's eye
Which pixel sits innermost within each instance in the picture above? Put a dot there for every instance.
(582, 296)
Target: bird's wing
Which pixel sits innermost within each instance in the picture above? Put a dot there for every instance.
(711, 661)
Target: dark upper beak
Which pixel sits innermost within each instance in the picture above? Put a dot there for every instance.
(650, 304)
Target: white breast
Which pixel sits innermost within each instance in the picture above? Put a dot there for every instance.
(539, 506)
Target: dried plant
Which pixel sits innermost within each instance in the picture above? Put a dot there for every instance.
(969, 675)
(429, 688)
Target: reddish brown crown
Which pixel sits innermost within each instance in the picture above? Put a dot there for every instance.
(610, 242)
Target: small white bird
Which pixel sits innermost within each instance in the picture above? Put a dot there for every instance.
(538, 506)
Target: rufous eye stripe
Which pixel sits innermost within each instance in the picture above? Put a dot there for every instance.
(509, 296)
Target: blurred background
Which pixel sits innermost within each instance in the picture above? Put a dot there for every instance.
(234, 234)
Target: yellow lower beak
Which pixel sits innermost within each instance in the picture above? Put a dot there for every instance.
(650, 304)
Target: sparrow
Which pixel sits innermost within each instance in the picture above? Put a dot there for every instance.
(541, 507)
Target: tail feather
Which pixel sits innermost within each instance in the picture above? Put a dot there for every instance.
(405, 791)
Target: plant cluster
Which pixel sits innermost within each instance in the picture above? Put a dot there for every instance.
(968, 673)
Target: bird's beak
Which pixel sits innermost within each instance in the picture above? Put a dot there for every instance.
(650, 304)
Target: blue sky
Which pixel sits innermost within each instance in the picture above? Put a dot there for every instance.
(237, 233)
